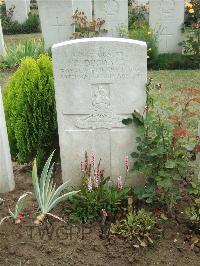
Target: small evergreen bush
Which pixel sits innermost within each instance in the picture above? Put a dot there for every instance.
(30, 110)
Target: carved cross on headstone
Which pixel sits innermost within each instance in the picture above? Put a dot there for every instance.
(58, 23)
(165, 35)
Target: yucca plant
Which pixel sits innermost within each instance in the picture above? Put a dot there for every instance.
(17, 215)
(45, 191)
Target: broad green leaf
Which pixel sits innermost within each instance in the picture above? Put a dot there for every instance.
(61, 198)
(170, 164)
(138, 118)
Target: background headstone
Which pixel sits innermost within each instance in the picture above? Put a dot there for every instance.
(6, 172)
(20, 13)
(2, 45)
(83, 5)
(56, 20)
(28, 3)
(114, 12)
(166, 18)
(98, 82)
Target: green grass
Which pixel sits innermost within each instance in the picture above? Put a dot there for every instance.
(172, 80)
(13, 40)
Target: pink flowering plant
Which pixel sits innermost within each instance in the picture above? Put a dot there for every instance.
(98, 194)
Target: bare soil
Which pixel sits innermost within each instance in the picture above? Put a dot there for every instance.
(75, 244)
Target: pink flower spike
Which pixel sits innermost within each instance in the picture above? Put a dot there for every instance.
(86, 161)
(126, 164)
(119, 183)
(96, 179)
(93, 160)
(90, 184)
(82, 170)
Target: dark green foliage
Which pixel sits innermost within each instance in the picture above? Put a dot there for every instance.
(135, 15)
(31, 25)
(193, 212)
(191, 45)
(164, 146)
(136, 227)
(174, 61)
(87, 205)
(192, 17)
(30, 110)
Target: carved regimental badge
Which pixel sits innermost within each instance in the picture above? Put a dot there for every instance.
(101, 115)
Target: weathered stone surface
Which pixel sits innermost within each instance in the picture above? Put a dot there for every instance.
(166, 18)
(114, 12)
(28, 3)
(20, 13)
(6, 172)
(98, 82)
(56, 20)
(2, 45)
(85, 6)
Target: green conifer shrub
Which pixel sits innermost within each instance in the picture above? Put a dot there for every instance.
(30, 110)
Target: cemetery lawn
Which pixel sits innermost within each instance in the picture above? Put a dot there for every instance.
(172, 80)
(12, 41)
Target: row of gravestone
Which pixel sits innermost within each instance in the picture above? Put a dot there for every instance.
(165, 17)
(20, 9)
(56, 18)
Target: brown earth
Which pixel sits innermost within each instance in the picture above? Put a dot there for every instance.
(58, 244)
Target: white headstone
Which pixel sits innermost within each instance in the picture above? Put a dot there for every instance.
(56, 20)
(85, 6)
(2, 45)
(6, 172)
(98, 82)
(115, 14)
(166, 18)
(20, 13)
